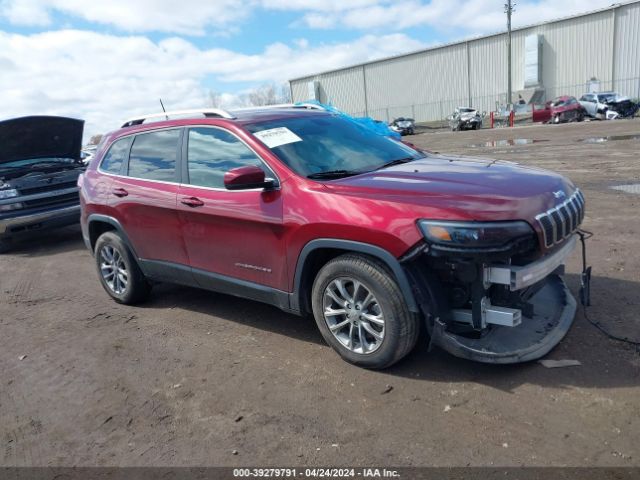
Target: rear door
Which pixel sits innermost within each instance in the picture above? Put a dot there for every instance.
(144, 196)
(236, 234)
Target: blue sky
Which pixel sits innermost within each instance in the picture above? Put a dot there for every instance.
(107, 60)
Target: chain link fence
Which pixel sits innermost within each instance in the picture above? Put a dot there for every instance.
(439, 110)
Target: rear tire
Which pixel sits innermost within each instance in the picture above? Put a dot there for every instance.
(361, 312)
(118, 271)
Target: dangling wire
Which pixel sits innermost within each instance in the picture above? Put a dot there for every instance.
(585, 296)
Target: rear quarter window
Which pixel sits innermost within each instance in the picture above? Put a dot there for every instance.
(115, 157)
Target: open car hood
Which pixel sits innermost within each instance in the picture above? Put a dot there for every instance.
(40, 137)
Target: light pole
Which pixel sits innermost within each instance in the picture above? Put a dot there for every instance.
(509, 9)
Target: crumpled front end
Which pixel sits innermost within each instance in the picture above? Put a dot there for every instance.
(499, 305)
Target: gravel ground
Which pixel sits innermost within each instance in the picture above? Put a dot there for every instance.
(196, 378)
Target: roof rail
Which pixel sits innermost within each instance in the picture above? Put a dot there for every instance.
(207, 112)
(311, 106)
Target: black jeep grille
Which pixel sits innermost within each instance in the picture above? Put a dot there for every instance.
(561, 221)
(54, 201)
(47, 188)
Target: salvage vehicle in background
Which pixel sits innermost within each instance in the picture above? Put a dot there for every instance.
(608, 105)
(465, 118)
(87, 153)
(560, 110)
(403, 126)
(316, 214)
(40, 163)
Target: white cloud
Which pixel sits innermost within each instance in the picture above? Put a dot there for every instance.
(188, 17)
(106, 78)
(320, 5)
(197, 17)
(469, 16)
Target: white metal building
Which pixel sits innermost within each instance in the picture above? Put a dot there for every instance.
(595, 50)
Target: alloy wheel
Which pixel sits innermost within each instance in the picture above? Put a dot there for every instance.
(113, 269)
(353, 315)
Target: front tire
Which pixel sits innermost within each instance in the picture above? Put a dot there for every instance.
(118, 271)
(361, 312)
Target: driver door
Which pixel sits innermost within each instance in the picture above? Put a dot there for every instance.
(229, 234)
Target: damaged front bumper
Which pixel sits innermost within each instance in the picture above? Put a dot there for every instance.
(533, 337)
(533, 309)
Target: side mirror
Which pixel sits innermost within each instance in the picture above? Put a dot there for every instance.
(245, 178)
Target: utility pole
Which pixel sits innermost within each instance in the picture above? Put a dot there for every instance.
(509, 9)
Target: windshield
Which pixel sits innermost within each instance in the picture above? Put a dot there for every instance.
(558, 102)
(607, 97)
(326, 143)
(32, 162)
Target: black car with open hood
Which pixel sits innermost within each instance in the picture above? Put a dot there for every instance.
(39, 167)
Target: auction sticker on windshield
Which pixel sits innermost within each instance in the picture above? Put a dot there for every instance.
(276, 137)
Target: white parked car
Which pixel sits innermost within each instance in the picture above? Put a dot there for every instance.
(607, 105)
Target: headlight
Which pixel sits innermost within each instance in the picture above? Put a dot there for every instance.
(8, 193)
(11, 206)
(473, 235)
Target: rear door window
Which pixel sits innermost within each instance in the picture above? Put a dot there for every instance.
(154, 155)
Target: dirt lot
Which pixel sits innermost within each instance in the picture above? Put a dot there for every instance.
(191, 377)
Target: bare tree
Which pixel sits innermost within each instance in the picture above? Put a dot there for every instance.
(95, 139)
(263, 95)
(214, 99)
(285, 93)
(268, 94)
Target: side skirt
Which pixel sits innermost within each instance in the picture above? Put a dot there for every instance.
(192, 277)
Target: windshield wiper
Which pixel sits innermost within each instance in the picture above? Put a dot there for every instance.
(333, 174)
(399, 161)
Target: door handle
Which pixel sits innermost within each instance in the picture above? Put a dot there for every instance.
(192, 202)
(120, 192)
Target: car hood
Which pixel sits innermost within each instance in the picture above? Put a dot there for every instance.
(564, 108)
(619, 100)
(462, 188)
(40, 137)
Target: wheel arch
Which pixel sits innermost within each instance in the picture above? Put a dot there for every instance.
(99, 224)
(317, 253)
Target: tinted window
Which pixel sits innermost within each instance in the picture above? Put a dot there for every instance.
(116, 155)
(153, 156)
(318, 143)
(212, 153)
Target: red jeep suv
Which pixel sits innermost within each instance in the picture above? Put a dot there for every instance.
(315, 214)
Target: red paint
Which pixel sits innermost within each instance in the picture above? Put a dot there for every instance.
(257, 235)
(550, 110)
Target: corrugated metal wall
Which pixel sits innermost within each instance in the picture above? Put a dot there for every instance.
(428, 85)
(627, 50)
(410, 86)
